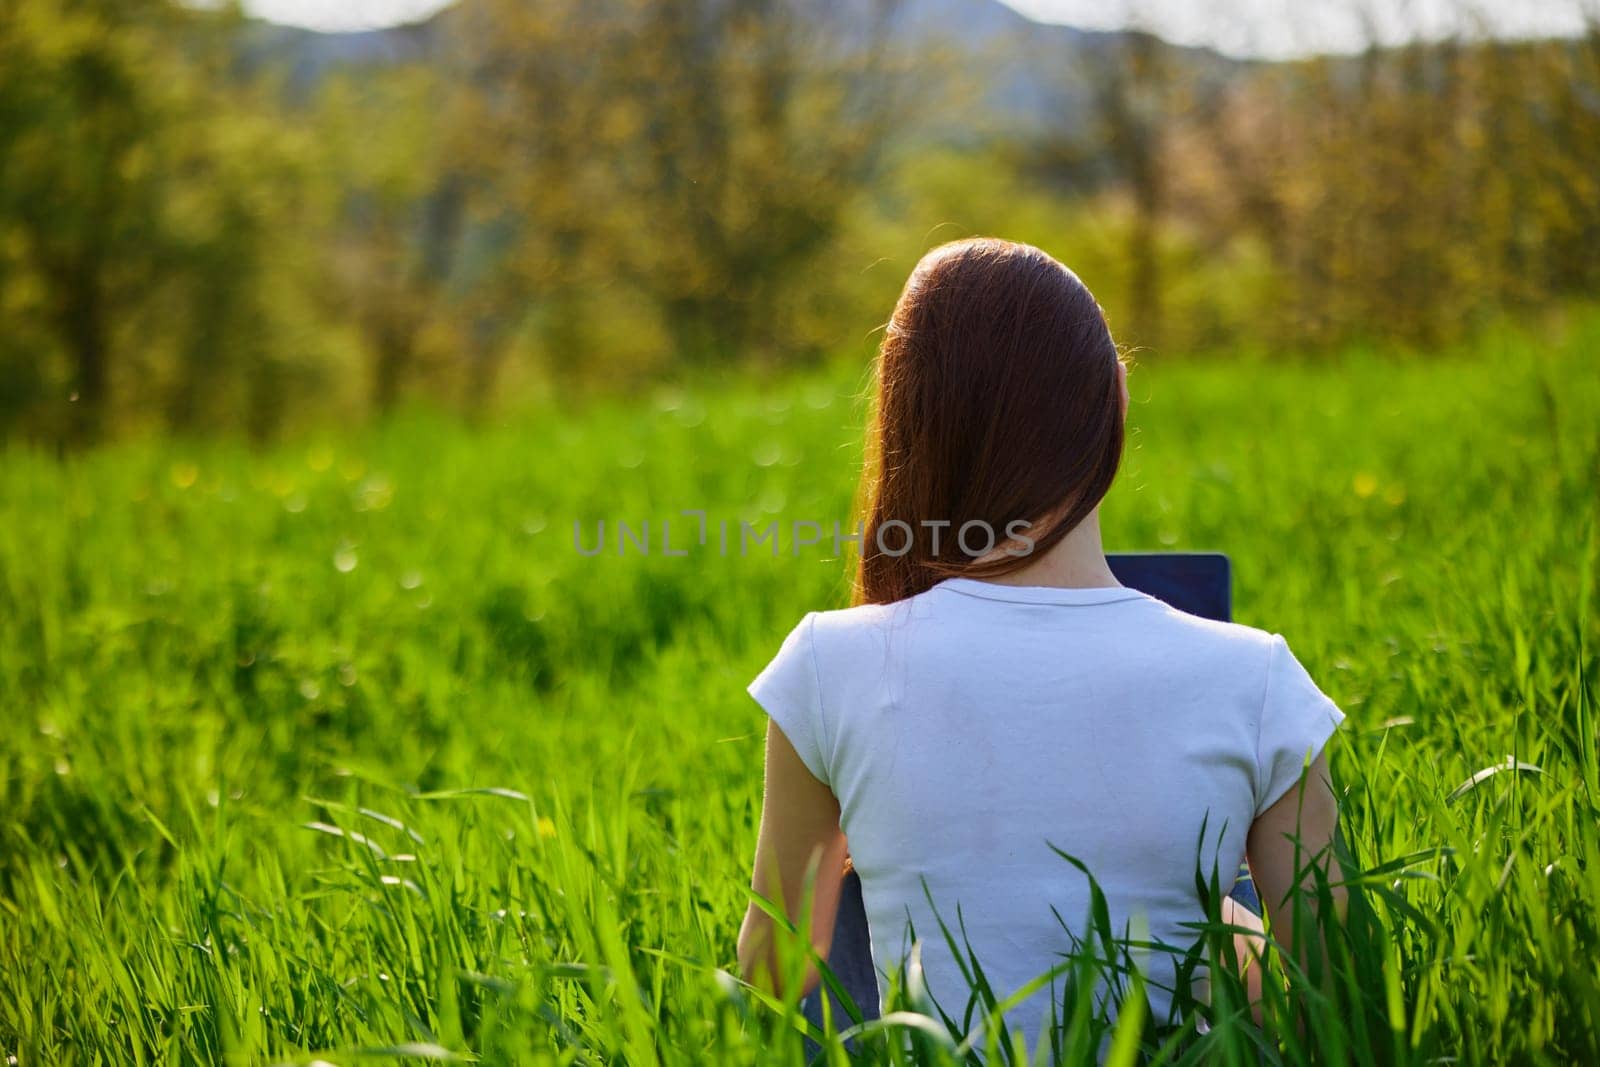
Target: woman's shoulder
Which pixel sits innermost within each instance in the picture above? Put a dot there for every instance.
(843, 634)
(1213, 631)
(1211, 638)
(856, 622)
(842, 637)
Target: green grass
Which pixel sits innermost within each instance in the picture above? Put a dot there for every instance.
(341, 751)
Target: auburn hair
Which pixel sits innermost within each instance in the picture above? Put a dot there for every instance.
(997, 401)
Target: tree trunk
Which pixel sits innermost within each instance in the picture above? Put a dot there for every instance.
(83, 329)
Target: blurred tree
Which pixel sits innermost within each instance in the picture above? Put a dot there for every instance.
(1135, 96)
(130, 222)
(81, 186)
(400, 213)
(1133, 106)
(698, 153)
(1408, 192)
(207, 222)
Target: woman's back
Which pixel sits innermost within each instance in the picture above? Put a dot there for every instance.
(968, 729)
(997, 695)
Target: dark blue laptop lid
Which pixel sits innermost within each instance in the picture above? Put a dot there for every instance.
(1200, 583)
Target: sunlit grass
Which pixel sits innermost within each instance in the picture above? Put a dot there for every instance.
(341, 750)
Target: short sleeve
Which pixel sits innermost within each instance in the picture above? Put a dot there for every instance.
(789, 689)
(1295, 723)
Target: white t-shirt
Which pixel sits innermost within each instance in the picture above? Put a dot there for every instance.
(969, 728)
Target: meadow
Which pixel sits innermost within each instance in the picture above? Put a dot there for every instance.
(339, 750)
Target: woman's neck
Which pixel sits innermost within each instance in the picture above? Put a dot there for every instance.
(1077, 561)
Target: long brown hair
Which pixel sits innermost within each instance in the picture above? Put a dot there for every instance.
(997, 401)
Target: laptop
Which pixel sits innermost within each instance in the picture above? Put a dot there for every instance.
(1200, 583)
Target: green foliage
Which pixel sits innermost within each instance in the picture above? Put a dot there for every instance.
(141, 203)
(1411, 193)
(209, 224)
(340, 750)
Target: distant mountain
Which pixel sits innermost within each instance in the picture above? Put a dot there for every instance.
(307, 55)
(1023, 66)
(1027, 67)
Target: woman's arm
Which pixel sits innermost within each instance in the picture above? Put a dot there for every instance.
(799, 837)
(1296, 834)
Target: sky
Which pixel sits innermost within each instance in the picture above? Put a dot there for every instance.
(1273, 28)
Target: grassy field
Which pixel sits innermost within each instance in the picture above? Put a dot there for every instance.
(341, 751)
